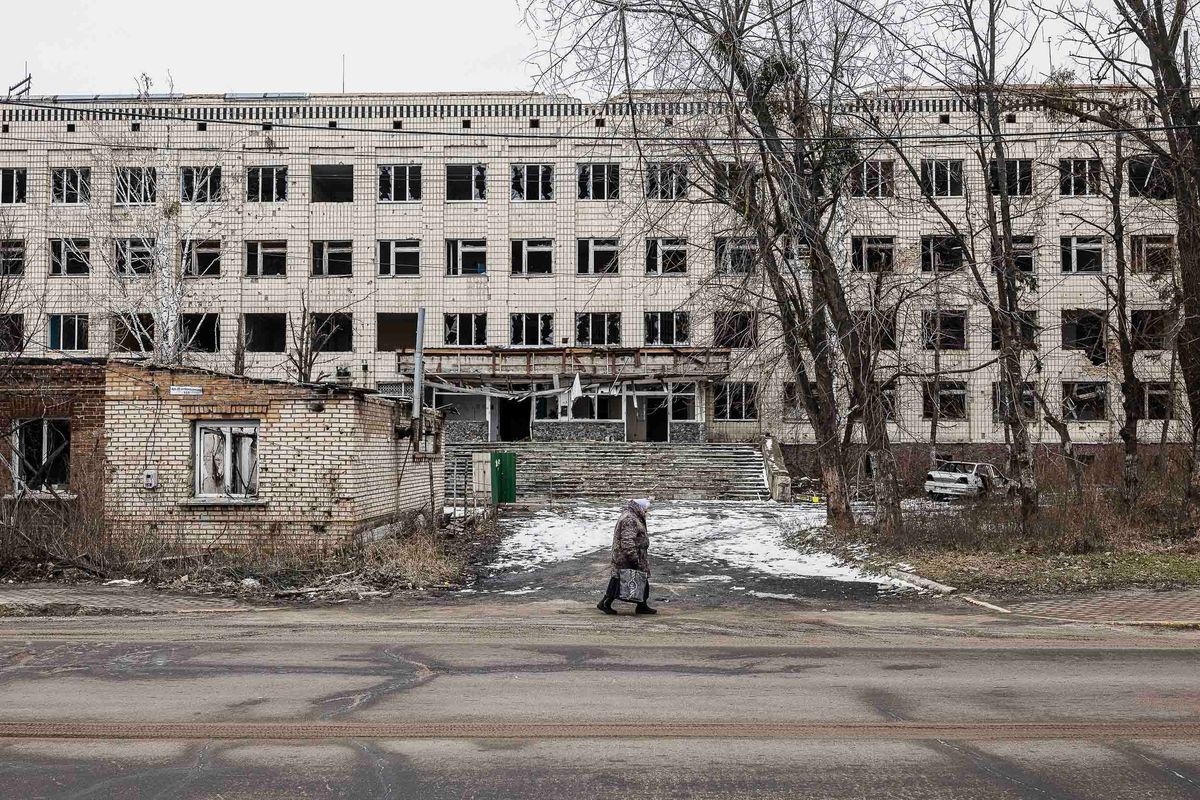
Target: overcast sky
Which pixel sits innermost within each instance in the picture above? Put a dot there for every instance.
(101, 46)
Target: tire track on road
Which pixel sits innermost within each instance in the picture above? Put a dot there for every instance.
(306, 730)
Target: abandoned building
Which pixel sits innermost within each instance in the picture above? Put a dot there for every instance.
(576, 286)
(201, 459)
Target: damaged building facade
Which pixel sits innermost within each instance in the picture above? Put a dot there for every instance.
(576, 285)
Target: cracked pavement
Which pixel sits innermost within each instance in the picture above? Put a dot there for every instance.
(526, 682)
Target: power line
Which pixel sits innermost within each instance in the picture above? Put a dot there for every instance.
(539, 136)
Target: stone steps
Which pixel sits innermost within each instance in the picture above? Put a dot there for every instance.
(621, 469)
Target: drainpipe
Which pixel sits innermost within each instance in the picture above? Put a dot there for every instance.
(419, 367)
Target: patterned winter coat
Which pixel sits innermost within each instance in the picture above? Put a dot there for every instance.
(631, 544)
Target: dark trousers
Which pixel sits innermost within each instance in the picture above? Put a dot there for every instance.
(614, 588)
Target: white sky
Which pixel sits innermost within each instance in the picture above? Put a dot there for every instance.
(101, 46)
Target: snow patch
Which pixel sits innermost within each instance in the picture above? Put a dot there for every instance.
(746, 535)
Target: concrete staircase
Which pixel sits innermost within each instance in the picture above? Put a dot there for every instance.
(607, 470)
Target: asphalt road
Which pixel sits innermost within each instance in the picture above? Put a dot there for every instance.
(470, 697)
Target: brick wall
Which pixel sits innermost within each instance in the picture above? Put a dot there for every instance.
(327, 460)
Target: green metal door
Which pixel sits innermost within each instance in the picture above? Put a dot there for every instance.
(504, 477)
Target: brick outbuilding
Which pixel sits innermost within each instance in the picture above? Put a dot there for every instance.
(200, 458)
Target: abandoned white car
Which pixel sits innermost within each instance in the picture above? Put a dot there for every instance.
(963, 479)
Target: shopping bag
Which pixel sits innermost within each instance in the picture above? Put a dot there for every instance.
(633, 585)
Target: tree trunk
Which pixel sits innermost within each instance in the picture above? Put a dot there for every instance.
(1187, 206)
(889, 522)
(1074, 465)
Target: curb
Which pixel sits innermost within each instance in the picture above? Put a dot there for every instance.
(918, 581)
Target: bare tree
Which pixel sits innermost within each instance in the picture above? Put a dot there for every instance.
(1137, 58)
(774, 78)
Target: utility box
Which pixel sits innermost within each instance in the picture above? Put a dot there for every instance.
(504, 478)
(481, 477)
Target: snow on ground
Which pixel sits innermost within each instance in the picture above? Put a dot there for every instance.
(742, 535)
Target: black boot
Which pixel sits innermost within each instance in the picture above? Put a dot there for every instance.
(644, 606)
(610, 594)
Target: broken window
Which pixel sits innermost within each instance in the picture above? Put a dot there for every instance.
(201, 259)
(597, 256)
(133, 333)
(735, 255)
(944, 330)
(599, 181)
(1153, 254)
(466, 330)
(1151, 328)
(200, 333)
(948, 399)
(70, 257)
(134, 256)
(332, 259)
(1024, 253)
(666, 180)
(735, 329)
(889, 396)
(200, 184)
(531, 330)
(872, 253)
(68, 332)
(1002, 402)
(683, 401)
(466, 182)
(466, 256)
(1018, 177)
(1158, 400)
(1027, 324)
(597, 405)
(667, 328)
(735, 401)
(136, 186)
(532, 182)
(1150, 177)
(266, 259)
(942, 177)
(546, 406)
(1085, 401)
(226, 459)
(332, 183)
(666, 256)
(395, 331)
(264, 333)
(532, 256)
(598, 329)
(12, 333)
(332, 332)
(12, 257)
(43, 454)
(13, 185)
(873, 178)
(399, 183)
(1082, 254)
(1084, 330)
(942, 253)
(1079, 177)
(794, 407)
(877, 327)
(266, 184)
(70, 185)
(734, 181)
(400, 257)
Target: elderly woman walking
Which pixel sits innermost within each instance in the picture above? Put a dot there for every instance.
(630, 579)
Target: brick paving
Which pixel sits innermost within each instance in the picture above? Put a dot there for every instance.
(113, 599)
(1126, 607)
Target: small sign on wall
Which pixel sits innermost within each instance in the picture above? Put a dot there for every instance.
(186, 391)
